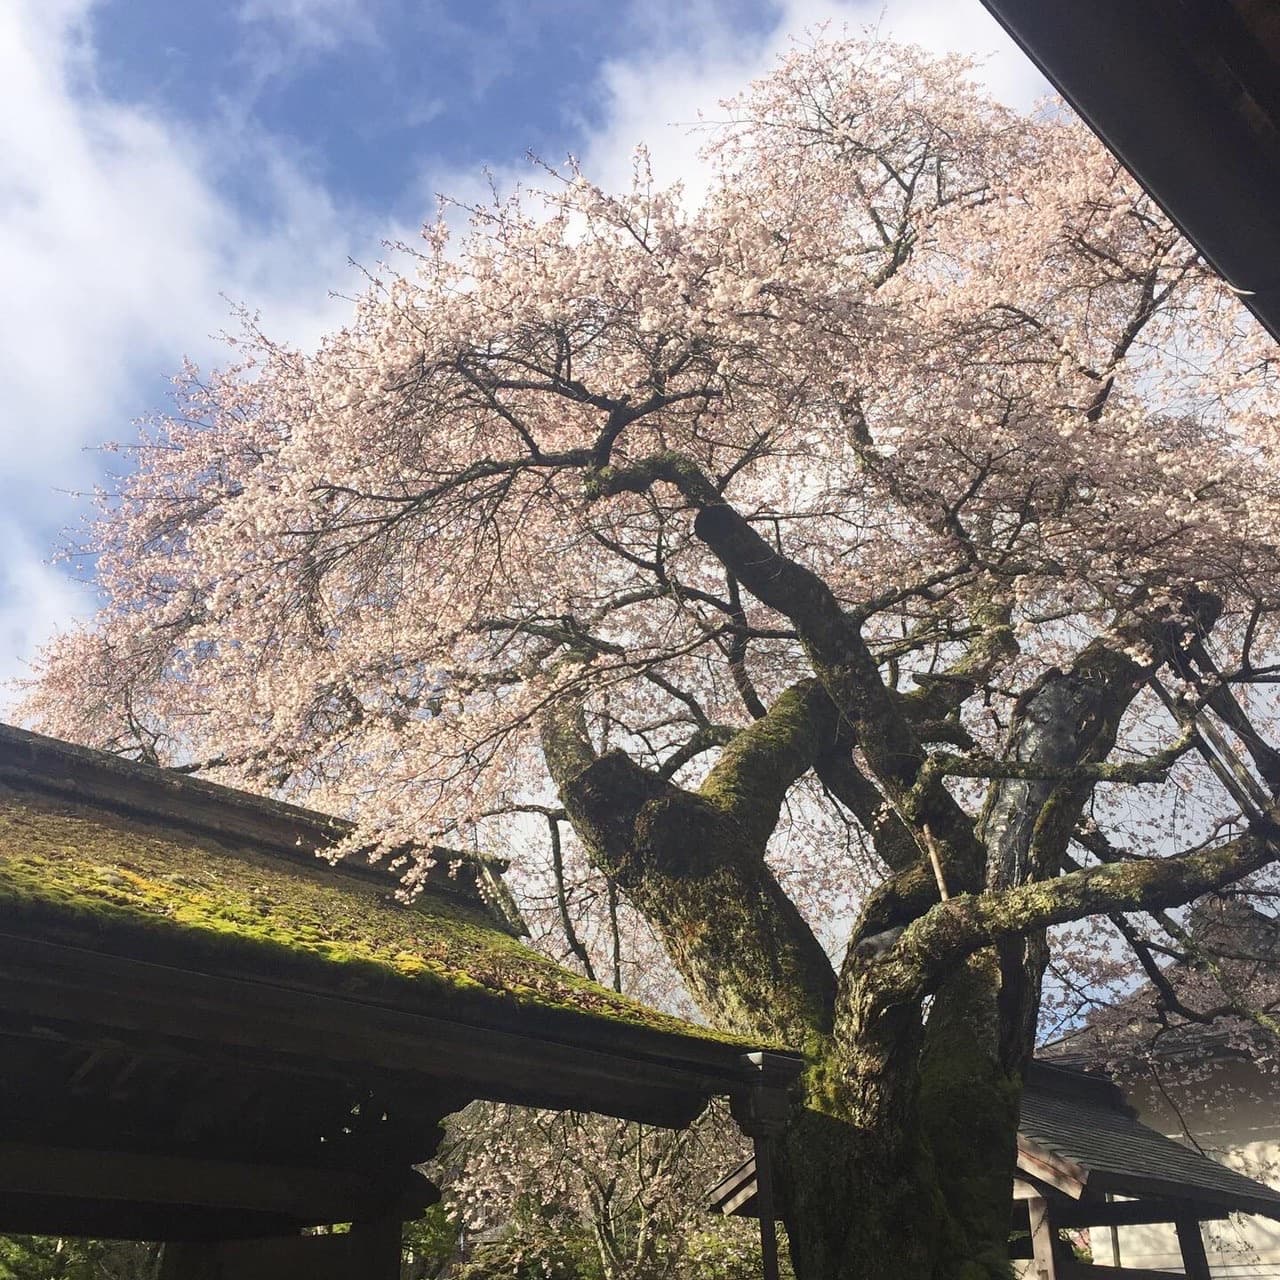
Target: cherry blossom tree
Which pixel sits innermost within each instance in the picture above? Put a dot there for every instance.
(847, 566)
(624, 1201)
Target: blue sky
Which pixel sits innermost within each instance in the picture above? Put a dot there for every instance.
(162, 159)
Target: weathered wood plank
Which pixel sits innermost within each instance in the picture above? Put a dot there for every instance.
(1191, 1243)
(310, 1195)
(1050, 1168)
(118, 1220)
(1043, 1239)
(88, 989)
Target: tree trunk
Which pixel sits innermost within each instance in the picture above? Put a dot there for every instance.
(874, 1178)
(858, 1204)
(923, 1194)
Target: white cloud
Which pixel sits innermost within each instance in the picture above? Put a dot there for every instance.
(36, 600)
(119, 251)
(280, 37)
(656, 99)
(313, 24)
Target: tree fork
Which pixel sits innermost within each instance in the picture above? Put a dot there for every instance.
(700, 878)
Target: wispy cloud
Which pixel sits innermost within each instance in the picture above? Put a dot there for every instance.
(119, 253)
(688, 57)
(313, 24)
(696, 58)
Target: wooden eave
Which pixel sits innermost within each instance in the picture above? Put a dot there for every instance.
(128, 1077)
(1051, 1170)
(1187, 95)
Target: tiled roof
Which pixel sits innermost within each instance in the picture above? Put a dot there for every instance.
(1077, 1127)
(1063, 1112)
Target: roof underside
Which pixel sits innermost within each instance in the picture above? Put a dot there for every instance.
(1187, 94)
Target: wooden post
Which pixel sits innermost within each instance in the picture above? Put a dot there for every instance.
(1191, 1242)
(762, 1110)
(1042, 1238)
(764, 1202)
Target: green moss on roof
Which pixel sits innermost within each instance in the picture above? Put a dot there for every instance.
(80, 875)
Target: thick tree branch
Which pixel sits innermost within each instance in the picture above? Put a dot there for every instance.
(840, 655)
(1155, 768)
(694, 867)
(943, 694)
(762, 762)
(933, 945)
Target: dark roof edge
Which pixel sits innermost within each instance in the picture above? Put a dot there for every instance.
(1152, 100)
(561, 1048)
(31, 761)
(1067, 1080)
(1243, 1201)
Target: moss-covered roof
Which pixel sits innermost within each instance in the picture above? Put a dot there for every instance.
(127, 883)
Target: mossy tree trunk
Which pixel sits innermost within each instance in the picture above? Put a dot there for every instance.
(900, 1156)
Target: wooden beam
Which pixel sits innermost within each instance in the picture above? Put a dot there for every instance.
(535, 1057)
(1128, 1213)
(765, 1210)
(309, 1194)
(375, 1245)
(189, 1261)
(1191, 1243)
(118, 1220)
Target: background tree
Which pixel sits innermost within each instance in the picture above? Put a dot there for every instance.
(595, 1198)
(814, 551)
(51, 1258)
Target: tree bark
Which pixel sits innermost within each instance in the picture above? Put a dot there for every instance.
(899, 1159)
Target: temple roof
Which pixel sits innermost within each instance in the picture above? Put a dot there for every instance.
(1091, 1140)
(131, 860)
(209, 1031)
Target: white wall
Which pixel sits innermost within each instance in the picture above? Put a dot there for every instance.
(1232, 1110)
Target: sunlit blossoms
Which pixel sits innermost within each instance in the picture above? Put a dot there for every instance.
(806, 555)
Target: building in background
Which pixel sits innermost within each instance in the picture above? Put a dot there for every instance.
(1197, 1052)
